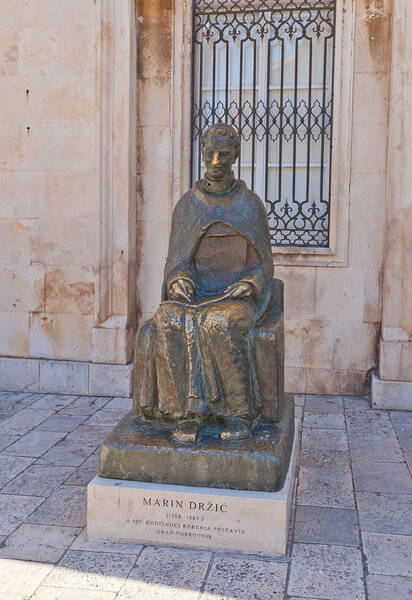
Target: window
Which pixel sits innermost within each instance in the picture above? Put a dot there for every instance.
(266, 67)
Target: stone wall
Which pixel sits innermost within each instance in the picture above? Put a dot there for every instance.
(154, 179)
(71, 251)
(333, 314)
(47, 178)
(396, 339)
(392, 385)
(67, 195)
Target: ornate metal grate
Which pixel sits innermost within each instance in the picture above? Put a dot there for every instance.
(266, 67)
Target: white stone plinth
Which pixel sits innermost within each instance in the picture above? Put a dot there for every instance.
(191, 517)
(391, 395)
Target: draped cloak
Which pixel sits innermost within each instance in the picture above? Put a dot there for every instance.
(197, 211)
(158, 366)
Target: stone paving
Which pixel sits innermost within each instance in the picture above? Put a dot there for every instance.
(351, 531)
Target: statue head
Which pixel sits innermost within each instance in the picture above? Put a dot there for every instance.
(220, 149)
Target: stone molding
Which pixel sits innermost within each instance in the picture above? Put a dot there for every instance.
(65, 377)
(115, 217)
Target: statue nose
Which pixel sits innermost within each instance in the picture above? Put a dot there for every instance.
(215, 161)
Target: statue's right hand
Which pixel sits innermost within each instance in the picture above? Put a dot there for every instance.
(182, 289)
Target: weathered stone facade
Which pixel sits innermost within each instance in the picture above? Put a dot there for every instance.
(83, 254)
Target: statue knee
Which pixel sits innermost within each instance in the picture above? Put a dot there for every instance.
(216, 320)
(233, 318)
(168, 317)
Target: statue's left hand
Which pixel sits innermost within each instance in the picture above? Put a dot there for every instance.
(242, 289)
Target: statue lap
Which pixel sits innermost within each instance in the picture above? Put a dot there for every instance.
(266, 337)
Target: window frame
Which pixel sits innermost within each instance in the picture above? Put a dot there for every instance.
(336, 253)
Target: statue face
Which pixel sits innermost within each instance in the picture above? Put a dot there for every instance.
(219, 156)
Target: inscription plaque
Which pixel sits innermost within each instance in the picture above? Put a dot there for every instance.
(194, 517)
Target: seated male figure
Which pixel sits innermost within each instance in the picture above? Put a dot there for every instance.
(195, 360)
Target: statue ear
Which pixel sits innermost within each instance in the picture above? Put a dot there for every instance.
(236, 156)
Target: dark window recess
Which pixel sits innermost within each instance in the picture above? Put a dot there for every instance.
(266, 67)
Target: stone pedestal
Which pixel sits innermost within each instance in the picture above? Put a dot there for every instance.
(140, 450)
(191, 517)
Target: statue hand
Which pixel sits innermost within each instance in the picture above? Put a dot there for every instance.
(181, 289)
(241, 289)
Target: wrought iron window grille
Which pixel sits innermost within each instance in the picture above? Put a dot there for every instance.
(266, 67)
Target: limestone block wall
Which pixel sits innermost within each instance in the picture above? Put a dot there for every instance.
(154, 134)
(67, 195)
(83, 242)
(47, 178)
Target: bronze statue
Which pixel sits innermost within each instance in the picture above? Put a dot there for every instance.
(209, 406)
(214, 350)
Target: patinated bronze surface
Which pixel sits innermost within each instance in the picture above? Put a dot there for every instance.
(211, 359)
(142, 450)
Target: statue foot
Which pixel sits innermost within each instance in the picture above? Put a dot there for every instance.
(236, 429)
(186, 432)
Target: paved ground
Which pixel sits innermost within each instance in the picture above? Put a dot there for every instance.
(351, 536)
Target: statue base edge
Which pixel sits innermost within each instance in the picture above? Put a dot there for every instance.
(191, 517)
(139, 450)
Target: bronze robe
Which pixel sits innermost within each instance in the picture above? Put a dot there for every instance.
(196, 358)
